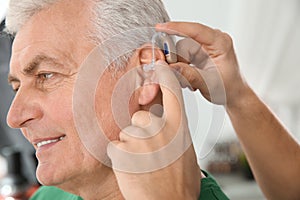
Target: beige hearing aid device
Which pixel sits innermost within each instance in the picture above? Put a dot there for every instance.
(167, 45)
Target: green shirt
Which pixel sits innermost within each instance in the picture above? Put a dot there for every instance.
(53, 193)
(210, 190)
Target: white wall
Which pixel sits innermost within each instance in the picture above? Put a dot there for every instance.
(266, 38)
(3, 7)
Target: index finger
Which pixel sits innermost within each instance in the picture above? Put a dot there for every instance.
(199, 32)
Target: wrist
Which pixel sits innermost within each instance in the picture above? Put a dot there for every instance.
(242, 97)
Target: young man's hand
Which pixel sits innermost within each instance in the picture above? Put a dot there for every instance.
(208, 61)
(155, 158)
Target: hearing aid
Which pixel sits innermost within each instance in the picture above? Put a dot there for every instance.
(167, 45)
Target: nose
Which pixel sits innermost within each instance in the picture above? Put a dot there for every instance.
(23, 110)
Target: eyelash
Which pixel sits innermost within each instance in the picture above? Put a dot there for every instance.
(41, 77)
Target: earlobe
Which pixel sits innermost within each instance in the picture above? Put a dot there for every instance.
(148, 93)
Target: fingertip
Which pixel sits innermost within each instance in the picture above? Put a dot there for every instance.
(161, 24)
(141, 118)
(166, 27)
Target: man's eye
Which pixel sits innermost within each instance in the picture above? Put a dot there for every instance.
(48, 80)
(45, 76)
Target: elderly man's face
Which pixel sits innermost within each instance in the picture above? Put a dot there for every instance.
(47, 53)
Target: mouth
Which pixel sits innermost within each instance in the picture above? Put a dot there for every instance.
(49, 141)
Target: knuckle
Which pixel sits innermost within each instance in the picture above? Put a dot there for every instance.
(218, 33)
(191, 76)
(192, 79)
(226, 40)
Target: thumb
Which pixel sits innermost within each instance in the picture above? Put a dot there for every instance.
(171, 92)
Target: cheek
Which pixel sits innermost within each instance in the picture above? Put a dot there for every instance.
(110, 109)
(133, 105)
(25, 133)
(58, 114)
(115, 102)
(105, 117)
(60, 105)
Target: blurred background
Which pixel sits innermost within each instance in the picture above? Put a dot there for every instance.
(266, 36)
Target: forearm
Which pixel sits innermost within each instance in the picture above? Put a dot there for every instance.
(273, 154)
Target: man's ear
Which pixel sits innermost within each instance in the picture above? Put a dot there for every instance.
(145, 54)
(148, 93)
(149, 90)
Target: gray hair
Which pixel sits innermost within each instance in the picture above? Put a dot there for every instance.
(112, 17)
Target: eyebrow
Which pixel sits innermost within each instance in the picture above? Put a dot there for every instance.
(33, 66)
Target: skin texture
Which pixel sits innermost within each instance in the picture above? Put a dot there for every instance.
(44, 65)
(159, 132)
(42, 112)
(273, 154)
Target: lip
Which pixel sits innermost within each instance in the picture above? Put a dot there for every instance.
(39, 140)
(44, 150)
